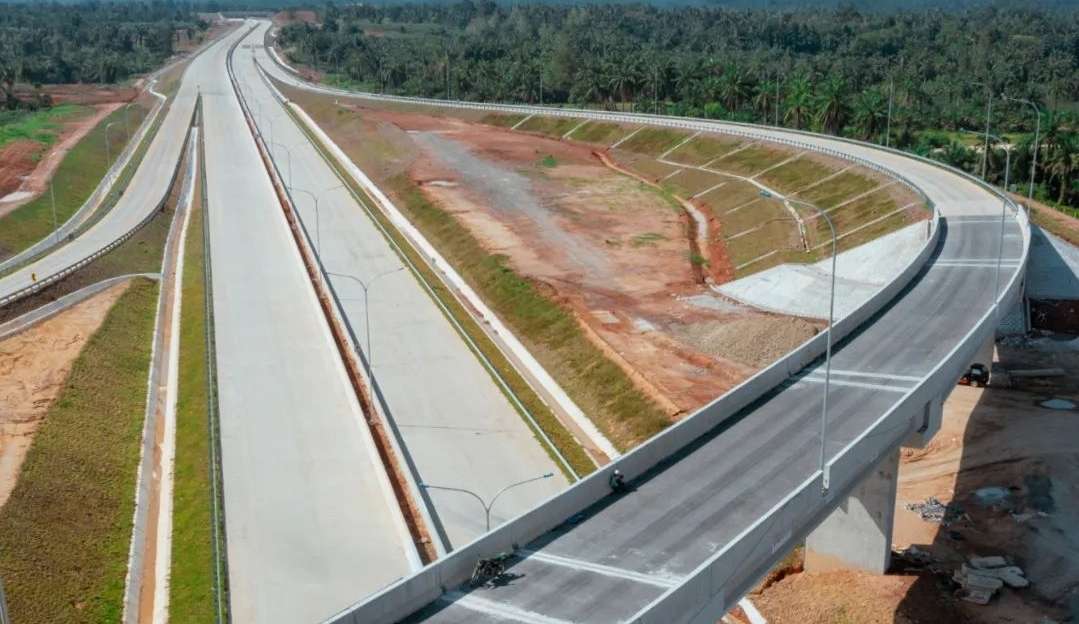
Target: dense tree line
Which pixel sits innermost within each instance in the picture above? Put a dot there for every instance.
(836, 70)
(92, 42)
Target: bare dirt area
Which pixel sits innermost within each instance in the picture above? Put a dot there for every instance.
(24, 170)
(33, 368)
(88, 94)
(1006, 470)
(610, 247)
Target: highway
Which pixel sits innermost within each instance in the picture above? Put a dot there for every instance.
(631, 557)
(310, 516)
(145, 192)
(456, 427)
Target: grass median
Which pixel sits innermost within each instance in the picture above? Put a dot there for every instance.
(191, 581)
(65, 531)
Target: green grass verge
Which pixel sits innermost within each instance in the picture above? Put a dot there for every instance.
(550, 331)
(704, 149)
(600, 133)
(562, 439)
(553, 127)
(652, 141)
(191, 579)
(796, 175)
(65, 531)
(75, 179)
(38, 126)
(751, 160)
(501, 120)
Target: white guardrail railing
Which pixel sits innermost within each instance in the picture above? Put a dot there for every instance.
(94, 201)
(717, 584)
(75, 266)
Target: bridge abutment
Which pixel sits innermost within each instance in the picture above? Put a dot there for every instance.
(858, 534)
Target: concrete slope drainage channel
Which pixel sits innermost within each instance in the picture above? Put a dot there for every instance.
(765, 483)
(146, 591)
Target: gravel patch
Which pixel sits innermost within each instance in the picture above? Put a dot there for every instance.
(755, 341)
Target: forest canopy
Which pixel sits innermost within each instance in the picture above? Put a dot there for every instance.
(837, 70)
(91, 42)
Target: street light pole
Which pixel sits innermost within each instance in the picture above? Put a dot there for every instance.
(1037, 133)
(888, 127)
(988, 116)
(486, 506)
(288, 152)
(366, 307)
(108, 155)
(828, 349)
(318, 235)
(1003, 214)
(52, 196)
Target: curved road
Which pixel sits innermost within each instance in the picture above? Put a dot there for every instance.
(627, 558)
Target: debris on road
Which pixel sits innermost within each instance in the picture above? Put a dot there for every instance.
(932, 510)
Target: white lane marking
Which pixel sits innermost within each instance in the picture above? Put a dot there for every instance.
(974, 265)
(498, 609)
(978, 260)
(851, 384)
(850, 373)
(599, 568)
(751, 612)
(522, 121)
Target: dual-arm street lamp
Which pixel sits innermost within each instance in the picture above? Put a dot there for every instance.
(314, 198)
(367, 308)
(1037, 133)
(486, 506)
(828, 351)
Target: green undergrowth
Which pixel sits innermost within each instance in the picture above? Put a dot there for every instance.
(39, 126)
(79, 173)
(65, 531)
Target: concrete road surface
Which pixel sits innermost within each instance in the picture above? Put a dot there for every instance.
(310, 519)
(146, 189)
(608, 563)
(457, 427)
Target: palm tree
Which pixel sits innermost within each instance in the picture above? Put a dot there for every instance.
(868, 112)
(831, 108)
(799, 100)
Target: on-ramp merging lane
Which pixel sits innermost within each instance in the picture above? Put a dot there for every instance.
(609, 563)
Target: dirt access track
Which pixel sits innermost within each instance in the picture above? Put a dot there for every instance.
(614, 250)
(24, 170)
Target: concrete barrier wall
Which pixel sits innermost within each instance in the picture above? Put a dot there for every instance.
(398, 600)
(718, 584)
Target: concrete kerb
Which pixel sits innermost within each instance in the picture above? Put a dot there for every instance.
(793, 362)
(75, 266)
(145, 473)
(314, 131)
(92, 203)
(847, 468)
(24, 322)
(406, 500)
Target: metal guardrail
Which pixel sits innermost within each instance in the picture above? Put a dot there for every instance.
(75, 266)
(710, 588)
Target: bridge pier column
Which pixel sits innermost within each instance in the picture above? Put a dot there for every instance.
(858, 534)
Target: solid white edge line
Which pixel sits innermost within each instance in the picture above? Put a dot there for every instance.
(497, 609)
(163, 562)
(599, 568)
